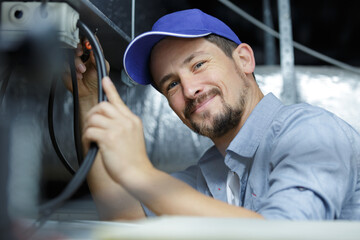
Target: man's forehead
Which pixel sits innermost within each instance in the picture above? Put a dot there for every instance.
(184, 48)
(178, 50)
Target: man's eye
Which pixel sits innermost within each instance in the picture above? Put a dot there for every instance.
(171, 85)
(198, 65)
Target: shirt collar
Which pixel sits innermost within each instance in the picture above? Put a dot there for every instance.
(248, 139)
(214, 171)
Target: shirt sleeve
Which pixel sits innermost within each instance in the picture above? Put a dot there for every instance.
(311, 174)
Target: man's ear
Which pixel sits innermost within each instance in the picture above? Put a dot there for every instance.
(244, 57)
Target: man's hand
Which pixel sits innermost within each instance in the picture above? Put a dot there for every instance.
(113, 202)
(119, 135)
(86, 74)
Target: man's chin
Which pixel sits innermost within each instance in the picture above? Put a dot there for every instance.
(217, 125)
(203, 128)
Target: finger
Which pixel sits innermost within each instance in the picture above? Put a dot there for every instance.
(79, 69)
(92, 135)
(92, 55)
(107, 67)
(114, 97)
(92, 58)
(97, 120)
(79, 76)
(111, 92)
(103, 108)
(79, 50)
(80, 66)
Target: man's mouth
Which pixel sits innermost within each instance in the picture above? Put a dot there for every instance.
(202, 104)
(196, 104)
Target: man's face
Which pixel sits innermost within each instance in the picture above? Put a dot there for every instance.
(204, 87)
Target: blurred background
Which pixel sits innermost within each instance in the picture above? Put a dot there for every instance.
(329, 27)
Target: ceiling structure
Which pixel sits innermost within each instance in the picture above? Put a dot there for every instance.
(329, 27)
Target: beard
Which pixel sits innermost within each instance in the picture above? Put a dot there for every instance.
(221, 123)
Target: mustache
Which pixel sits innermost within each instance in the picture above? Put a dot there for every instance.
(192, 103)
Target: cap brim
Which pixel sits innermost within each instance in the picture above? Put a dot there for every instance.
(137, 54)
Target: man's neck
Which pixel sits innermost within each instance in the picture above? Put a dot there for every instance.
(224, 141)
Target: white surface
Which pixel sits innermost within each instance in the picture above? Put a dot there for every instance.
(60, 16)
(205, 228)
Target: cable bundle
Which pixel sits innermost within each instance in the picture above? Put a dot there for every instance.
(48, 208)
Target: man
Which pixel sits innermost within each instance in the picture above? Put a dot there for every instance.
(268, 160)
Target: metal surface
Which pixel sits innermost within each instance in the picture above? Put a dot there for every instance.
(269, 41)
(26, 90)
(133, 19)
(297, 45)
(289, 93)
(113, 39)
(332, 88)
(4, 172)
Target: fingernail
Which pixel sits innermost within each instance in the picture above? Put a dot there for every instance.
(107, 79)
(81, 67)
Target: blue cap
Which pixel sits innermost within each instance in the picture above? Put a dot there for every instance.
(191, 23)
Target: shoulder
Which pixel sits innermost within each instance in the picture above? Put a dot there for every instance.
(303, 129)
(308, 121)
(302, 113)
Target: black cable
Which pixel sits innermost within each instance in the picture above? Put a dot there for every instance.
(76, 123)
(99, 57)
(47, 209)
(81, 174)
(50, 206)
(75, 92)
(52, 130)
(6, 78)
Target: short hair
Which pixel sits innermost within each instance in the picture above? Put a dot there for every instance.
(226, 45)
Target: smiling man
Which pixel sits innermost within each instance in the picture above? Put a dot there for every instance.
(268, 160)
(197, 78)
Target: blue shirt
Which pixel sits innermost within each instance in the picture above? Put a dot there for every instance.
(293, 162)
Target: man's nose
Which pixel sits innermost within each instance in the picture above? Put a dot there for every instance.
(191, 86)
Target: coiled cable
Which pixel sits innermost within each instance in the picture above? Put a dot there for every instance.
(48, 208)
(52, 130)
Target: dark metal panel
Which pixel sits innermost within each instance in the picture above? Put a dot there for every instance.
(113, 39)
